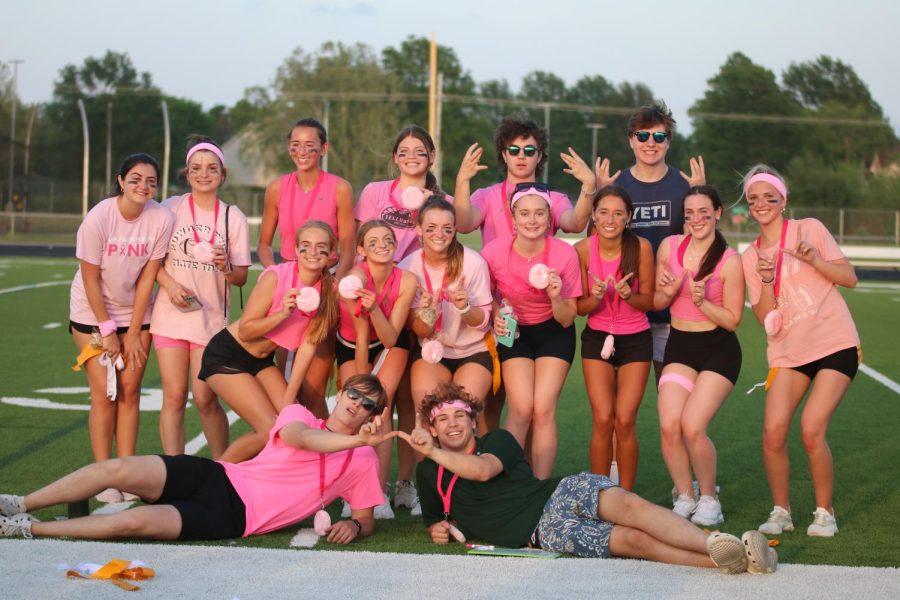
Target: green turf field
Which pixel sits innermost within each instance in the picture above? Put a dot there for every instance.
(39, 444)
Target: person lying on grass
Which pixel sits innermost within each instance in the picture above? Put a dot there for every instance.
(483, 488)
(306, 464)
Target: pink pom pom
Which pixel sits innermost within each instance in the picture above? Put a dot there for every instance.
(203, 251)
(348, 287)
(608, 347)
(308, 299)
(773, 322)
(432, 351)
(321, 522)
(539, 276)
(412, 198)
(457, 534)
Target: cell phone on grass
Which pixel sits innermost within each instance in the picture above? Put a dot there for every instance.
(511, 326)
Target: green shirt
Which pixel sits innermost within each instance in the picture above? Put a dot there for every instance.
(504, 510)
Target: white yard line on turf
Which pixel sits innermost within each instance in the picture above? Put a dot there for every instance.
(31, 286)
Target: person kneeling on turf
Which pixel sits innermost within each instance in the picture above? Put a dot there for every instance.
(306, 464)
(484, 489)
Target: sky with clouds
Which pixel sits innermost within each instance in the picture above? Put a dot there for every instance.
(211, 51)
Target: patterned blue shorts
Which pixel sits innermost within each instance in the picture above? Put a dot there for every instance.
(570, 523)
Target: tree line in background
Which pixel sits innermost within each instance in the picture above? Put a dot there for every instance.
(819, 125)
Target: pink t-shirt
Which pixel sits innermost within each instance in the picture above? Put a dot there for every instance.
(280, 486)
(389, 294)
(296, 207)
(496, 220)
(381, 200)
(201, 279)
(459, 339)
(683, 305)
(613, 315)
(120, 248)
(289, 333)
(816, 320)
(509, 275)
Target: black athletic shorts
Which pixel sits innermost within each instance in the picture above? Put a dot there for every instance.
(542, 339)
(479, 358)
(629, 347)
(223, 355)
(718, 351)
(844, 361)
(345, 351)
(209, 506)
(89, 329)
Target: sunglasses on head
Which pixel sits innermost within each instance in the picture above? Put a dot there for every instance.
(527, 185)
(357, 396)
(658, 136)
(529, 150)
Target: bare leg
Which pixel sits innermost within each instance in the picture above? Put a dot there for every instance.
(129, 402)
(389, 374)
(549, 376)
(599, 379)
(248, 396)
(782, 400)
(828, 390)
(212, 417)
(710, 391)
(628, 542)
(631, 382)
(671, 403)
(518, 377)
(493, 410)
(174, 365)
(312, 392)
(102, 417)
(406, 421)
(161, 522)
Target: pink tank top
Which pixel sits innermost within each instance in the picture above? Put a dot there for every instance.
(682, 305)
(289, 333)
(613, 314)
(386, 299)
(296, 207)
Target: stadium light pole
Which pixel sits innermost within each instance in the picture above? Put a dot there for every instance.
(166, 148)
(594, 127)
(87, 158)
(326, 117)
(12, 127)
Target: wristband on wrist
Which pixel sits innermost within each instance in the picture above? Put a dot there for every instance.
(464, 311)
(358, 526)
(107, 327)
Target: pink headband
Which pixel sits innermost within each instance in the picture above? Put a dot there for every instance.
(205, 146)
(774, 181)
(529, 192)
(460, 404)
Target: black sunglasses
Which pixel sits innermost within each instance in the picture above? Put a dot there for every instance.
(357, 396)
(658, 136)
(529, 150)
(527, 185)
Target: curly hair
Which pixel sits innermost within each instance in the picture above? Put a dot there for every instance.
(447, 392)
(520, 126)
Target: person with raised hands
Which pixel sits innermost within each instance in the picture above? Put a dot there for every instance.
(483, 488)
(536, 276)
(656, 189)
(793, 271)
(293, 306)
(452, 309)
(120, 246)
(617, 276)
(700, 278)
(202, 262)
(375, 300)
(306, 464)
(521, 146)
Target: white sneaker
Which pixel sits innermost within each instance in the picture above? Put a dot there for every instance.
(684, 505)
(405, 494)
(696, 491)
(779, 520)
(727, 552)
(345, 512)
(761, 559)
(614, 473)
(416, 511)
(823, 524)
(17, 526)
(11, 506)
(110, 496)
(708, 512)
(383, 511)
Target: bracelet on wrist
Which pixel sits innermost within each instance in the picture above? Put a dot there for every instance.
(768, 282)
(587, 193)
(358, 526)
(463, 311)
